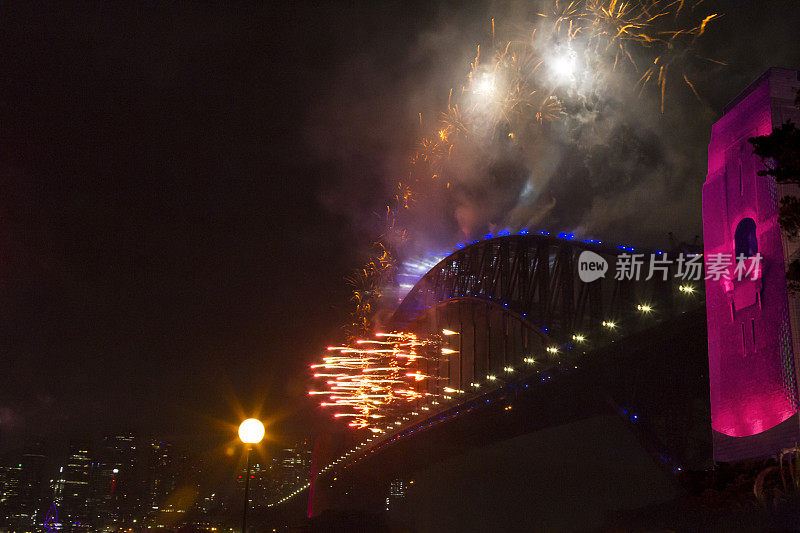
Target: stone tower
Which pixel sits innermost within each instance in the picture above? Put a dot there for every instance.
(753, 335)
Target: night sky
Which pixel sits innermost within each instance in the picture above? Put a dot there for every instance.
(178, 185)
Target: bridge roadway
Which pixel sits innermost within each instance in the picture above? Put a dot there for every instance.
(537, 451)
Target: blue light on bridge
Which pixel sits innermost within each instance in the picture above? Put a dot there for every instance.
(503, 233)
(592, 241)
(567, 236)
(544, 233)
(522, 232)
(488, 236)
(625, 248)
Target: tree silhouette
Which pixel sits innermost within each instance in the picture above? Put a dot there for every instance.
(780, 153)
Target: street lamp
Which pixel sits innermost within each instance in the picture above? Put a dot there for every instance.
(251, 431)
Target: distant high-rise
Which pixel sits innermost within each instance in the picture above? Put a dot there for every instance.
(10, 500)
(32, 482)
(160, 475)
(290, 468)
(172, 483)
(117, 489)
(71, 489)
(397, 494)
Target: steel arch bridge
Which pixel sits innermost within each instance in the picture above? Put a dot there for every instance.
(523, 316)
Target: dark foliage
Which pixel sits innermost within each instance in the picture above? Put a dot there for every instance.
(780, 152)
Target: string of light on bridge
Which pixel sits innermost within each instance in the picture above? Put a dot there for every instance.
(379, 383)
(389, 343)
(406, 346)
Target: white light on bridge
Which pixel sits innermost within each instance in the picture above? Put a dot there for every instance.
(644, 308)
(448, 351)
(449, 332)
(552, 349)
(688, 289)
(578, 338)
(609, 325)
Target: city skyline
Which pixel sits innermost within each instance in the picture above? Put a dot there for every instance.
(125, 481)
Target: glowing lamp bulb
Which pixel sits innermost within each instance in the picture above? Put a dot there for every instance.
(251, 431)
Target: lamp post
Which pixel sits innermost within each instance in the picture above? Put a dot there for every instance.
(251, 431)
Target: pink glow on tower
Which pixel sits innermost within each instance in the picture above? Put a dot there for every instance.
(752, 323)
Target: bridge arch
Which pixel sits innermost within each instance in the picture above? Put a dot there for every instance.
(517, 302)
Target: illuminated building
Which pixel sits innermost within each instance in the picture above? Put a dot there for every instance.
(296, 461)
(116, 490)
(10, 485)
(262, 480)
(160, 475)
(172, 483)
(32, 482)
(753, 337)
(295, 464)
(288, 468)
(71, 488)
(23, 488)
(397, 494)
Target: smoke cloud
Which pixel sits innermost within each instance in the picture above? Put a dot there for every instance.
(613, 167)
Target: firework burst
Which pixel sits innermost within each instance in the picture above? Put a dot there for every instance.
(372, 382)
(564, 63)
